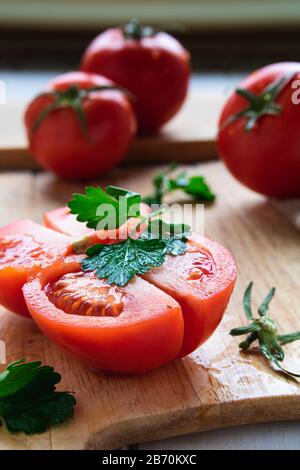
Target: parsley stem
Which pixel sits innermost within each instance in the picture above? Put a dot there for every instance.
(147, 218)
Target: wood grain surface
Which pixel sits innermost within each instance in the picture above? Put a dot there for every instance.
(188, 138)
(217, 386)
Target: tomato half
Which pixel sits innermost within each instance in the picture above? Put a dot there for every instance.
(25, 248)
(154, 67)
(78, 144)
(163, 315)
(266, 157)
(201, 281)
(128, 330)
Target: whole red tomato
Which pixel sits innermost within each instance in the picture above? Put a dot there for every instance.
(259, 131)
(81, 127)
(153, 66)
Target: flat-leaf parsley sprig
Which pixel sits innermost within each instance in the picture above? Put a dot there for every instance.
(87, 207)
(166, 182)
(120, 262)
(29, 401)
(265, 331)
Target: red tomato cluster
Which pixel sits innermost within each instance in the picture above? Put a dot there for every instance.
(84, 122)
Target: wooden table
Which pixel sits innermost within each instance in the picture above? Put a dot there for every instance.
(26, 194)
(216, 386)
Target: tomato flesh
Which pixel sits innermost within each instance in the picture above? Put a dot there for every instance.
(146, 333)
(201, 281)
(25, 248)
(82, 293)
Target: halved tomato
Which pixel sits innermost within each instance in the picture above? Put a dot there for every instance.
(25, 248)
(201, 281)
(163, 315)
(131, 329)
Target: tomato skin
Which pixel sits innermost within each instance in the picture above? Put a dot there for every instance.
(267, 158)
(147, 334)
(26, 248)
(155, 69)
(60, 145)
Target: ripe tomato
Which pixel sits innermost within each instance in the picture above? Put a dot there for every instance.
(78, 133)
(153, 66)
(201, 281)
(26, 248)
(259, 132)
(129, 330)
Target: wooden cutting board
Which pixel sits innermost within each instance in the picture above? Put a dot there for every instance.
(188, 138)
(216, 386)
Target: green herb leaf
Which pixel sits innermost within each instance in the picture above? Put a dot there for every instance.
(158, 228)
(175, 247)
(195, 186)
(119, 263)
(97, 205)
(29, 401)
(264, 329)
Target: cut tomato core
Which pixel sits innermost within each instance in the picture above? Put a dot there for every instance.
(82, 293)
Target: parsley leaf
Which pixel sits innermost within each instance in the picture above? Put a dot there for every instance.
(112, 207)
(158, 228)
(195, 186)
(121, 262)
(29, 401)
(175, 247)
(173, 235)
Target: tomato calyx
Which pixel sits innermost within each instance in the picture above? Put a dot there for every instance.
(260, 105)
(264, 330)
(73, 98)
(134, 30)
